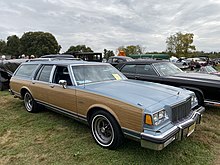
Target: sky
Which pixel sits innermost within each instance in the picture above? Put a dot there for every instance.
(108, 24)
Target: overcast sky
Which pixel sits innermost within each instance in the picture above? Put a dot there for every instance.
(109, 24)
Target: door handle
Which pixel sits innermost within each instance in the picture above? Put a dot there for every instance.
(52, 86)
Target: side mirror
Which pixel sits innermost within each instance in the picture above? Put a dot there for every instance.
(63, 83)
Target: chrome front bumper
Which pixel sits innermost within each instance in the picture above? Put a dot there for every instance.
(177, 132)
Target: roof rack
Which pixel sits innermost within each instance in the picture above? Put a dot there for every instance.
(53, 59)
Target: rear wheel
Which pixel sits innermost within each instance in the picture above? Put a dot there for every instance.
(106, 130)
(29, 103)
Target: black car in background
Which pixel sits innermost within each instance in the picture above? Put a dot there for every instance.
(115, 60)
(205, 86)
(7, 68)
(209, 70)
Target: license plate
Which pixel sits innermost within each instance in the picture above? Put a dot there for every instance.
(191, 129)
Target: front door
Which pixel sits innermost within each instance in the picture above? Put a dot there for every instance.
(59, 97)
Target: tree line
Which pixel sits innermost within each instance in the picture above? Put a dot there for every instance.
(42, 43)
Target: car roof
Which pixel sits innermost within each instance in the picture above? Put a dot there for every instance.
(58, 56)
(122, 57)
(65, 62)
(145, 61)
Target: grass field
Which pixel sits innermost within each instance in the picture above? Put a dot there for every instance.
(50, 138)
(218, 67)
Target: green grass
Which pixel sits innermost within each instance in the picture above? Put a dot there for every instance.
(218, 67)
(50, 138)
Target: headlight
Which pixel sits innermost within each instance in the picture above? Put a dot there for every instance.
(161, 114)
(194, 101)
(157, 118)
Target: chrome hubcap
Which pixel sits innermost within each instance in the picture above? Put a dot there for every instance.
(102, 130)
(28, 101)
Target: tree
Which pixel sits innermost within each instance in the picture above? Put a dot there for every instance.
(13, 46)
(108, 53)
(180, 44)
(2, 47)
(39, 43)
(132, 49)
(78, 48)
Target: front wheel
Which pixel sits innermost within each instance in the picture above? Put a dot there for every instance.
(106, 130)
(199, 98)
(29, 103)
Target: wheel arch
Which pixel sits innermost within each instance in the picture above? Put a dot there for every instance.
(96, 107)
(194, 89)
(23, 91)
(198, 92)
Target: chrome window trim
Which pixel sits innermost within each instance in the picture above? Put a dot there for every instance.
(52, 73)
(72, 76)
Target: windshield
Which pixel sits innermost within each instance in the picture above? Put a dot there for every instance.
(166, 69)
(96, 73)
(210, 69)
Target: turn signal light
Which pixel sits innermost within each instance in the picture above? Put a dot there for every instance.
(148, 120)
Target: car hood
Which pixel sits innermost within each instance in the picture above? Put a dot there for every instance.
(138, 93)
(216, 73)
(201, 77)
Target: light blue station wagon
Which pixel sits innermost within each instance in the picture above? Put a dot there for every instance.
(113, 106)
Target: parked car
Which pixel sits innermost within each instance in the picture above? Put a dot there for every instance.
(209, 70)
(182, 65)
(201, 61)
(7, 67)
(114, 107)
(115, 60)
(206, 87)
(179, 62)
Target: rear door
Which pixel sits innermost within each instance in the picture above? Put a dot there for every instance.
(147, 72)
(40, 84)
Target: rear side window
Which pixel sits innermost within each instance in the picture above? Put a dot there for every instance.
(129, 69)
(25, 70)
(44, 73)
(145, 69)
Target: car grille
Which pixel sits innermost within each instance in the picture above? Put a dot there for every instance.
(181, 110)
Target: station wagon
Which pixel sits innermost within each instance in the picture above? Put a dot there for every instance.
(113, 106)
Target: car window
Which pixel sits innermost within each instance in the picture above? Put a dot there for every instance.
(167, 69)
(210, 69)
(62, 73)
(25, 70)
(145, 69)
(129, 69)
(115, 60)
(85, 74)
(44, 73)
(120, 60)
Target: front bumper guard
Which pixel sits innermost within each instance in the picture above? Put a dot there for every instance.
(177, 132)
